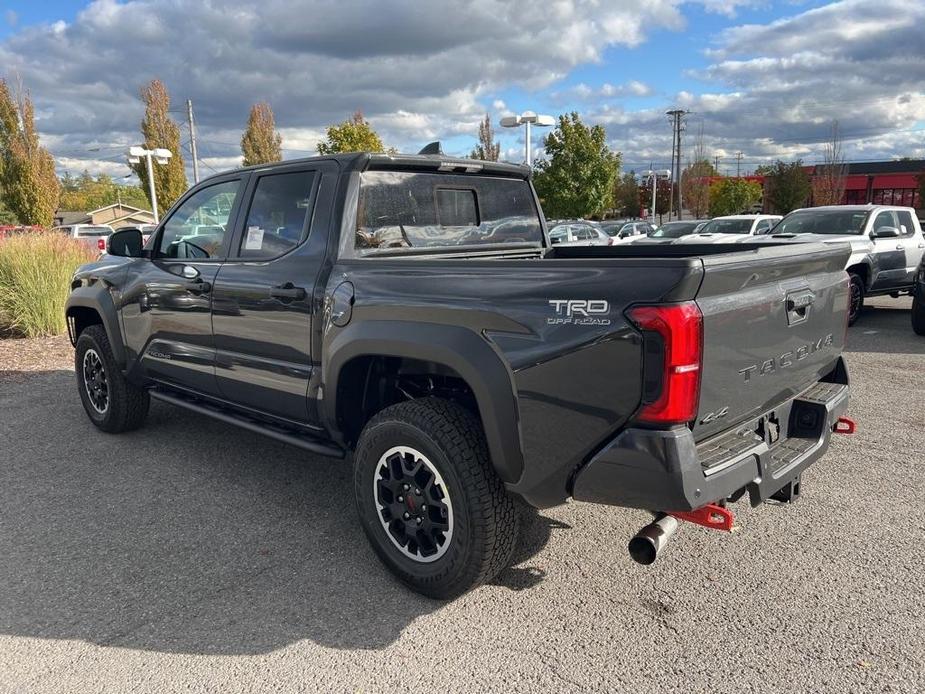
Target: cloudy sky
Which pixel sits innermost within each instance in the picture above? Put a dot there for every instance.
(759, 77)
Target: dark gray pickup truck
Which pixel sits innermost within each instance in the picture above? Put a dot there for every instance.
(409, 312)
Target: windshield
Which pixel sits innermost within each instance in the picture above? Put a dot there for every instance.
(399, 209)
(675, 230)
(611, 229)
(728, 226)
(93, 231)
(822, 222)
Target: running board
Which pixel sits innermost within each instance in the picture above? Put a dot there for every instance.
(279, 433)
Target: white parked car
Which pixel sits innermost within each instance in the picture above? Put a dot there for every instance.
(92, 235)
(733, 228)
(622, 231)
(886, 245)
(578, 234)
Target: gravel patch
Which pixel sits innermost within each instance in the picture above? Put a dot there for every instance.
(28, 356)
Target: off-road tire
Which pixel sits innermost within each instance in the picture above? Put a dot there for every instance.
(127, 404)
(918, 315)
(855, 305)
(485, 520)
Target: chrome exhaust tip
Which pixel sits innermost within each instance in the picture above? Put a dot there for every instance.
(649, 542)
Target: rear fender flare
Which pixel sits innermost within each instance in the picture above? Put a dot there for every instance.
(464, 351)
(97, 298)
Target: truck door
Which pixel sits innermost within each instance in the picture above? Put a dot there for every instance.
(913, 241)
(166, 310)
(889, 254)
(264, 299)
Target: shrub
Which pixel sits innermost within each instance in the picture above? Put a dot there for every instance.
(35, 275)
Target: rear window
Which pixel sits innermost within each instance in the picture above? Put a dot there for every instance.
(399, 209)
(93, 231)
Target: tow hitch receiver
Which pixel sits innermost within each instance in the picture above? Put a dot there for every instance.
(710, 516)
(844, 426)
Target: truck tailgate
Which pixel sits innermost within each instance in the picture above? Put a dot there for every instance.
(774, 322)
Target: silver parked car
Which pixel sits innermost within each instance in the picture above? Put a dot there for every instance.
(92, 235)
(578, 234)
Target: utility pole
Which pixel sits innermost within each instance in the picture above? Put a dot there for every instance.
(192, 139)
(673, 117)
(716, 163)
(677, 116)
(738, 164)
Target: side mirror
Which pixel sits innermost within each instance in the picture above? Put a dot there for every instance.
(885, 233)
(126, 243)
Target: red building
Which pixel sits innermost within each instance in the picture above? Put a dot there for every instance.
(883, 183)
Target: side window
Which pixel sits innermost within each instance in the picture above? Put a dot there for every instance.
(762, 226)
(197, 229)
(884, 219)
(583, 233)
(279, 214)
(906, 226)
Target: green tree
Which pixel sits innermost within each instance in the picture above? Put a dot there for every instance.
(695, 187)
(487, 149)
(353, 135)
(161, 131)
(733, 195)
(86, 193)
(786, 186)
(577, 179)
(626, 195)
(28, 182)
(261, 143)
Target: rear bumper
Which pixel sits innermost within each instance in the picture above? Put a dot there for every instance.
(669, 471)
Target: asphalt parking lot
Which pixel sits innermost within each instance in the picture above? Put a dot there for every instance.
(192, 556)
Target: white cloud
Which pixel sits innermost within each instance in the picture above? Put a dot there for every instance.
(414, 74)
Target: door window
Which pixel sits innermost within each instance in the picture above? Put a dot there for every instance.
(278, 218)
(583, 233)
(906, 227)
(198, 228)
(884, 219)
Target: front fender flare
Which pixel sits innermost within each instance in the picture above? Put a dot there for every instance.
(97, 298)
(466, 352)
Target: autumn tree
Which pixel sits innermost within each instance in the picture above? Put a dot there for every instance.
(786, 186)
(733, 196)
(353, 135)
(160, 131)
(86, 193)
(829, 182)
(663, 192)
(261, 143)
(28, 182)
(626, 195)
(487, 149)
(577, 177)
(695, 187)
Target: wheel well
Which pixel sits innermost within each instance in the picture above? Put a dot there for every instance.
(862, 271)
(80, 318)
(371, 383)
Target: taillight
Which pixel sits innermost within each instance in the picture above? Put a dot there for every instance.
(101, 244)
(680, 327)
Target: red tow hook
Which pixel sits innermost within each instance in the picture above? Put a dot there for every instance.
(710, 516)
(844, 426)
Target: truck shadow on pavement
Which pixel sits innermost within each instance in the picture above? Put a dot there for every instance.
(188, 536)
(885, 328)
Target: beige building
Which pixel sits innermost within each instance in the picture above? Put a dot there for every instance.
(116, 215)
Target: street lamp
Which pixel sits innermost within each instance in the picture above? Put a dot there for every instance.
(527, 118)
(654, 176)
(162, 156)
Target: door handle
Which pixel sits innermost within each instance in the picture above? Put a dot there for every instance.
(288, 291)
(922, 245)
(900, 247)
(197, 286)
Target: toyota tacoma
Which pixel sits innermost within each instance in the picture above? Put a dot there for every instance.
(408, 313)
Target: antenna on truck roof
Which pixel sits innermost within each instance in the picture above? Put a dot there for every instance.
(432, 148)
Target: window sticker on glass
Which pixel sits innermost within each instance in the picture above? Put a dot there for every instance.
(254, 240)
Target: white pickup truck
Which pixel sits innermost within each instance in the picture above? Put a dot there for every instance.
(886, 245)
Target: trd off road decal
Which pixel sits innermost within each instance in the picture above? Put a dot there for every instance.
(579, 312)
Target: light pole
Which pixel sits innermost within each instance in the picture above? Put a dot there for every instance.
(654, 175)
(162, 155)
(527, 118)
